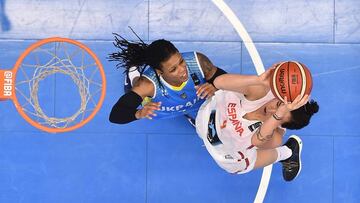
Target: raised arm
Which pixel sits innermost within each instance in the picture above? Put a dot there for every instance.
(252, 86)
(236, 82)
(271, 125)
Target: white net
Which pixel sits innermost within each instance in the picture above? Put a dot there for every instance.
(58, 85)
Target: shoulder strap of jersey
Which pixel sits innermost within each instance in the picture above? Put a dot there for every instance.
(194, 67)
(150, 74)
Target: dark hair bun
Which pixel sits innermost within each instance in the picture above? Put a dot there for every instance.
(311, 107)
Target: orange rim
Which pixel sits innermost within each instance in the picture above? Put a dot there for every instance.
(101, 70)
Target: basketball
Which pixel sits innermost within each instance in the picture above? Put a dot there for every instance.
(290, 79)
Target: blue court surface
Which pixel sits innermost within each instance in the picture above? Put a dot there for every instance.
(164, 161)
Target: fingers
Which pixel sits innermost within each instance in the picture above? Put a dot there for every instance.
(285, 100)
(297, 103)
(153, 105)
(304, 100)
(148, 111)
(266, 76)
(200, 89)
(205, 91)
(275, 65)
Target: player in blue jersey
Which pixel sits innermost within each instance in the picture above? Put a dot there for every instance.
(176, 83)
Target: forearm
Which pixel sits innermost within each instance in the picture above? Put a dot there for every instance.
(236, 82)
(125, 108)
(266, 131)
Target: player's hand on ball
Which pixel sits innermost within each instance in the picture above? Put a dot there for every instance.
(266, 76)
(290, 78)
(275, 65)
(288, 106)
(148, 110)
(297, 103)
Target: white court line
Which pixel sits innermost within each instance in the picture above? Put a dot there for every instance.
(336, 71)
(255, 57)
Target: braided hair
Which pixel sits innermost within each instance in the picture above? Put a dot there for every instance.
(140, 54)
(301, 116)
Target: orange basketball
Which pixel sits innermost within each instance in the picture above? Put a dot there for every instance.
(290, 78)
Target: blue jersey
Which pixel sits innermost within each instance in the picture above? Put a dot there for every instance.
(178, 102)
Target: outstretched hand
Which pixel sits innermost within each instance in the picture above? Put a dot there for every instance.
(205, 90)
(148, 110)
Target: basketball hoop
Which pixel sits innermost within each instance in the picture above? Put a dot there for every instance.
(55, 58)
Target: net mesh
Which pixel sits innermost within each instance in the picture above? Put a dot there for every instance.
(50, 71)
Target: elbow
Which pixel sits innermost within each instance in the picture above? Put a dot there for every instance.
(117, 121)
(122, 117)
(111, 119)
(114, 119)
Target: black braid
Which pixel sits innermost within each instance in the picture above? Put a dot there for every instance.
(130, 54)
(141, 55)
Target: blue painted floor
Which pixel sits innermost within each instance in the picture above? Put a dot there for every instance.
(164, 160)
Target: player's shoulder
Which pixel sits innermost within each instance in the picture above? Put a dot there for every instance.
(206, 65)
(144, 87)
(202, 57)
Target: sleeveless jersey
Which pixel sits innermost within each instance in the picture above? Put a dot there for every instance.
(178, 102)
(230, 109)
(235, 154)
